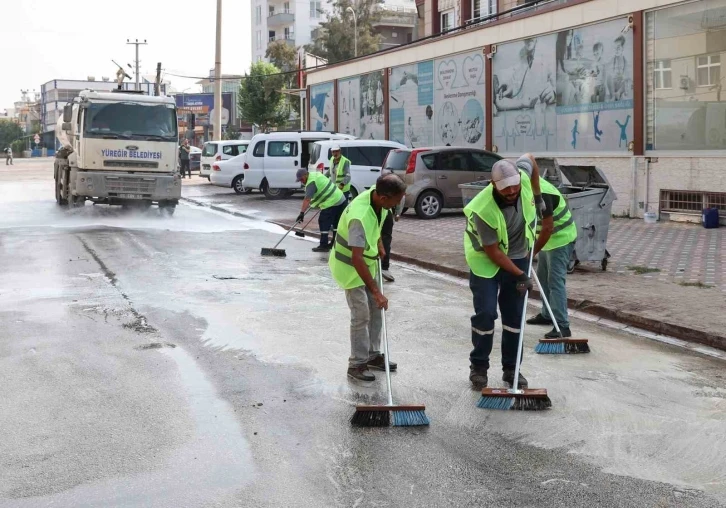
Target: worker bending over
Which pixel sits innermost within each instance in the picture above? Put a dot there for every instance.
(499, 235)
(354, 266)
(340, 171)
(321, 193)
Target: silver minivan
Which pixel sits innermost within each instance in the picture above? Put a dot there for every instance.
(433, 175)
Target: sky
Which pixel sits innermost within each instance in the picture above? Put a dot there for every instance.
(42, 40)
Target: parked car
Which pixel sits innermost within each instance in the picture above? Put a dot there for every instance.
(218, 151)
(274, 158)
(230, 173)
(366, 159)
(433, 175)
(195, 156)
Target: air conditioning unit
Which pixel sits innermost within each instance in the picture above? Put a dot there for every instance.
(105, 78)
(685, 82)
(91, 78)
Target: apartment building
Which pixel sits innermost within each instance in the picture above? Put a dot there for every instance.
(632, 87)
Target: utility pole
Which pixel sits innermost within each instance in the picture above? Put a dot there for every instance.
(217, 120)
(137, 62)
(157, 84)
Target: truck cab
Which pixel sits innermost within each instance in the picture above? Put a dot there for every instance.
(118, 149)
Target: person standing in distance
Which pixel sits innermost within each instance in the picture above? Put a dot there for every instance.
(184, 158)
(340, 171)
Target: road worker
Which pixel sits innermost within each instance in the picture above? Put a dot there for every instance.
(340, 171)
(321, 193)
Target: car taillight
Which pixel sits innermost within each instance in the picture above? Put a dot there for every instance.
(320, 167)
(246, 166)
(218, 158)
(411, 168)
(215, 167)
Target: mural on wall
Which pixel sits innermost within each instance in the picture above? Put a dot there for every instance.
(459, 100)
(322, 107)
(595, 87)
(570, 91)
(361, 106)
(524, 83)
(411, 92)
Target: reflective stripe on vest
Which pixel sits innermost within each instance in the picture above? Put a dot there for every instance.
(339, 176)
(341, 256)
(564, 231)
(326, 193)
(486, 208)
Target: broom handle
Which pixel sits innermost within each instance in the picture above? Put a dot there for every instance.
(515, 385)
(547, 304)
(385, 336)
(285, 235)
(311, 219)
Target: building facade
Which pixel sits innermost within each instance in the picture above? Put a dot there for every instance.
(632, 87)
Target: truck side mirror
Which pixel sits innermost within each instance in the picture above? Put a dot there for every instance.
(66, 126)
(68, 113)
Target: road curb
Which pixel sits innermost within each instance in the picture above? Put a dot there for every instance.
(220, 209)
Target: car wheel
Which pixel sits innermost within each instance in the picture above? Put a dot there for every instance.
(428, 205)
(237, 184)
(272, 193)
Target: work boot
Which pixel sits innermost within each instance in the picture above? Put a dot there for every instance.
(387, 276)
(552, 334)
(361, 373)
(478, 377)
(377, 363)
(508, 377)
(322, 248)
(539, 319)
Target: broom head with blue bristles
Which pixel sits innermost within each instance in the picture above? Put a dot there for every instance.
(531, 399)
(562, 346)
(385, 416)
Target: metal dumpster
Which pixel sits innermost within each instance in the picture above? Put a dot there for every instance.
(470, 190)
(590, 199)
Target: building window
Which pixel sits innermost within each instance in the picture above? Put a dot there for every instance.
(662, 75)
(447, 20)
(271, 11)
(271, 35)
(258, 14)
(684, 95)
(483, 8)
(708, 70)
(259, 40)
(286, 7)
(315, 9)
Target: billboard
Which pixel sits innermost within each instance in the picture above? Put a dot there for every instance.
(361, 106)
(322, 107)
(202, 106)
(411, 92)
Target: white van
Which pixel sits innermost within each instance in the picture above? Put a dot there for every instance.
(215, 151)
(274, 158)
(366, 159)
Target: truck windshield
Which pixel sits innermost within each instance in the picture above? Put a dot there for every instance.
(131, 121)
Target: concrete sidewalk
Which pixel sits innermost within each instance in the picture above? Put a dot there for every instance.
(665, 278)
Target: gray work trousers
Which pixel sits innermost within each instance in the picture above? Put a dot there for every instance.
(365, 326)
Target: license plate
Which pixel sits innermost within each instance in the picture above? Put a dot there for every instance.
(206, 166)
(131, 196)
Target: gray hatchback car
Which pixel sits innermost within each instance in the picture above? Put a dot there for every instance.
(433, 175)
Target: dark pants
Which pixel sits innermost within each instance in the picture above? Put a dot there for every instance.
(486, 291)
(328, 219)
(347, 195)
(386, 237)
(185, 165)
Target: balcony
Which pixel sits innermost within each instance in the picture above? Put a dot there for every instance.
(289, 39)
(395, 16)
(280, 18)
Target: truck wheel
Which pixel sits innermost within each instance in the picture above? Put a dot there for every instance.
(59, 187)
(272, 193)
(238, 184)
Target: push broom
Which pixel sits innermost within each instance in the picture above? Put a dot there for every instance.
(528, 399)
(387, 415)
(301, 233)
(274, 251)
(562, 345)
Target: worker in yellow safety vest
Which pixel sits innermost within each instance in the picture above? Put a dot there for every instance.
(552, 262)
(340, 170)
(354, 266)
(321, 193)
(499, 236)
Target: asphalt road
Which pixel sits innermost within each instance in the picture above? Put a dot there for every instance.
(155, 361)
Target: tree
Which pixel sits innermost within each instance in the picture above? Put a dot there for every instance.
(9, 132)
(285, 57)
(336, 37)
(261, 101)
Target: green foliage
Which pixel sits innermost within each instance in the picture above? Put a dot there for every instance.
(9, 132)
(261, 101)
(336, 36)
(18, 146)
(285, 57)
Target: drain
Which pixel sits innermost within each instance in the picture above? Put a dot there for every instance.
(155, 345)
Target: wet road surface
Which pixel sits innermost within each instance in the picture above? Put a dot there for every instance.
(153, 361)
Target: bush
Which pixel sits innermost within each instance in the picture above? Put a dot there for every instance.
(18, 146)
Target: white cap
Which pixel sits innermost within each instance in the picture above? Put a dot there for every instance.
(505, 174)
(336, 148)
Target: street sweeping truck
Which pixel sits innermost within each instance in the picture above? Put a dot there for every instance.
(118, 148)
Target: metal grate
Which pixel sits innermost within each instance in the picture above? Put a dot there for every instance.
(131, 164)
(692, 201)
(130, 185)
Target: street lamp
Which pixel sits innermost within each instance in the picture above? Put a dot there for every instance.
(355, 30)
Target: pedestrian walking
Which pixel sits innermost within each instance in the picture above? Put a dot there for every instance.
(184, 158)
(340, 171)
(555, 256)
(321, 193)
(8, 156)
(393, 215)
(499, 235)
(354, 264)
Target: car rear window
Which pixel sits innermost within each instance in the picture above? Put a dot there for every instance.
(210, 150)
(397, 160)
(315, 152)
(429, 160)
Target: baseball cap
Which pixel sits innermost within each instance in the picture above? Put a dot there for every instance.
(300, 173)
(505, 174)
(335, 148)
